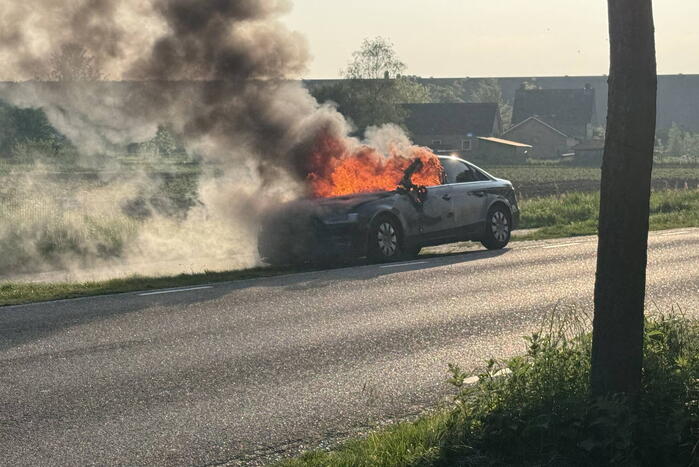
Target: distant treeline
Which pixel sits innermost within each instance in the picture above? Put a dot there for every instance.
(678, 95)
(26, 135)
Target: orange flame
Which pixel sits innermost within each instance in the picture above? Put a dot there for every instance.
(337, 170)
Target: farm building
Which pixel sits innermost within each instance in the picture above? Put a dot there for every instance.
(501, 151)
(452, 126)
(546, 141)
(572, 111)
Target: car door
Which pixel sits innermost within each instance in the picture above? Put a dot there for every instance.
(436, 213)
(469, 195)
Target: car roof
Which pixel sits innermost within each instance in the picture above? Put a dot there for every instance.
(453, 158)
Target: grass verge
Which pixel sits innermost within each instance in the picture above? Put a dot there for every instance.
(540, 412)
(569, 215)
(15, 293)
(576, 214)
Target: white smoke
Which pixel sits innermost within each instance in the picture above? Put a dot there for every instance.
(219, 74)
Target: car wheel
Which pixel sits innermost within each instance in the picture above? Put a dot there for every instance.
(498, 226)
(384, 240)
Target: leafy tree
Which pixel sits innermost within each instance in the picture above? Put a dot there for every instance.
(165, 142)
(681, 143)
(489, 90)
(374, 87)
(450, 92)
(617, 347)
(19, 126)
(73, 62)
(409, 90)
(55, 150)
(675, 140)
(376, 60)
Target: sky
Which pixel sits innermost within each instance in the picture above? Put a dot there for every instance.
(458, 38)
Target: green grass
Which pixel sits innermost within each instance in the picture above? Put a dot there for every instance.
(49, 221)
(576, 214)
(408, 443)
(540, 413)
(569, 215)
(15, 293)
(554, 173)
(536, 181)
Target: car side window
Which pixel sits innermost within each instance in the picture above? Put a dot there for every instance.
(478, 175)
(458, 172)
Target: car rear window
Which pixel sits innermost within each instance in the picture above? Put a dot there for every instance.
(480, 176)
(459, 172)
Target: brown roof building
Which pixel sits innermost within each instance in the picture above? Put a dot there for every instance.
(452, 126)
(547, 142)
(493, 151)
(571, 111)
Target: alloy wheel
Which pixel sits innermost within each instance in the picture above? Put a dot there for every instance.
(500, 226)
(387, 239)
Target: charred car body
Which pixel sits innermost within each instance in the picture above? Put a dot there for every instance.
(470, 204)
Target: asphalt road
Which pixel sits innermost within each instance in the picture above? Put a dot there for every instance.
(238, 371)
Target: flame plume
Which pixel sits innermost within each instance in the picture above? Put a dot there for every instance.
(337, 169)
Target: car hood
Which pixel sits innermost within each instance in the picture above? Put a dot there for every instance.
(349, 201)
(322, 207)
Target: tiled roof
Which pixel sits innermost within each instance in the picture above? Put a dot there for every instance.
(452, 118)
(534, 119)
(557, 107)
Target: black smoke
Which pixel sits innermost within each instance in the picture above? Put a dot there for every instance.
(221, 74)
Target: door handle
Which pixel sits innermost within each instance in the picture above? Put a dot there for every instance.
(446, 197)
(480, 194)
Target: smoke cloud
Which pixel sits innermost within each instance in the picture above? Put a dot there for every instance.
(219, 73)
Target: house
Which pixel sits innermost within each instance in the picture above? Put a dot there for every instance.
(452, 126)
(547, 142)
(572, 111)
(501, 151)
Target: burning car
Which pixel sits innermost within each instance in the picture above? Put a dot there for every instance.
(468, 204)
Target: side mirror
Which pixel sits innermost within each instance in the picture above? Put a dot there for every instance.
(421, 192)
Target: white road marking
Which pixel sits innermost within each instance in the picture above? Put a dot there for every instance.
(402, 264)
(158, 292)
(561, 245)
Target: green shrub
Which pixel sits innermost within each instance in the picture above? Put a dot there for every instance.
(535, 410)
(541, 414)
(40, 234)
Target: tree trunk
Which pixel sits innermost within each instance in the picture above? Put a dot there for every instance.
(617, 343)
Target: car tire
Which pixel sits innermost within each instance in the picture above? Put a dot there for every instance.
(385, 240)
(498, 227)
